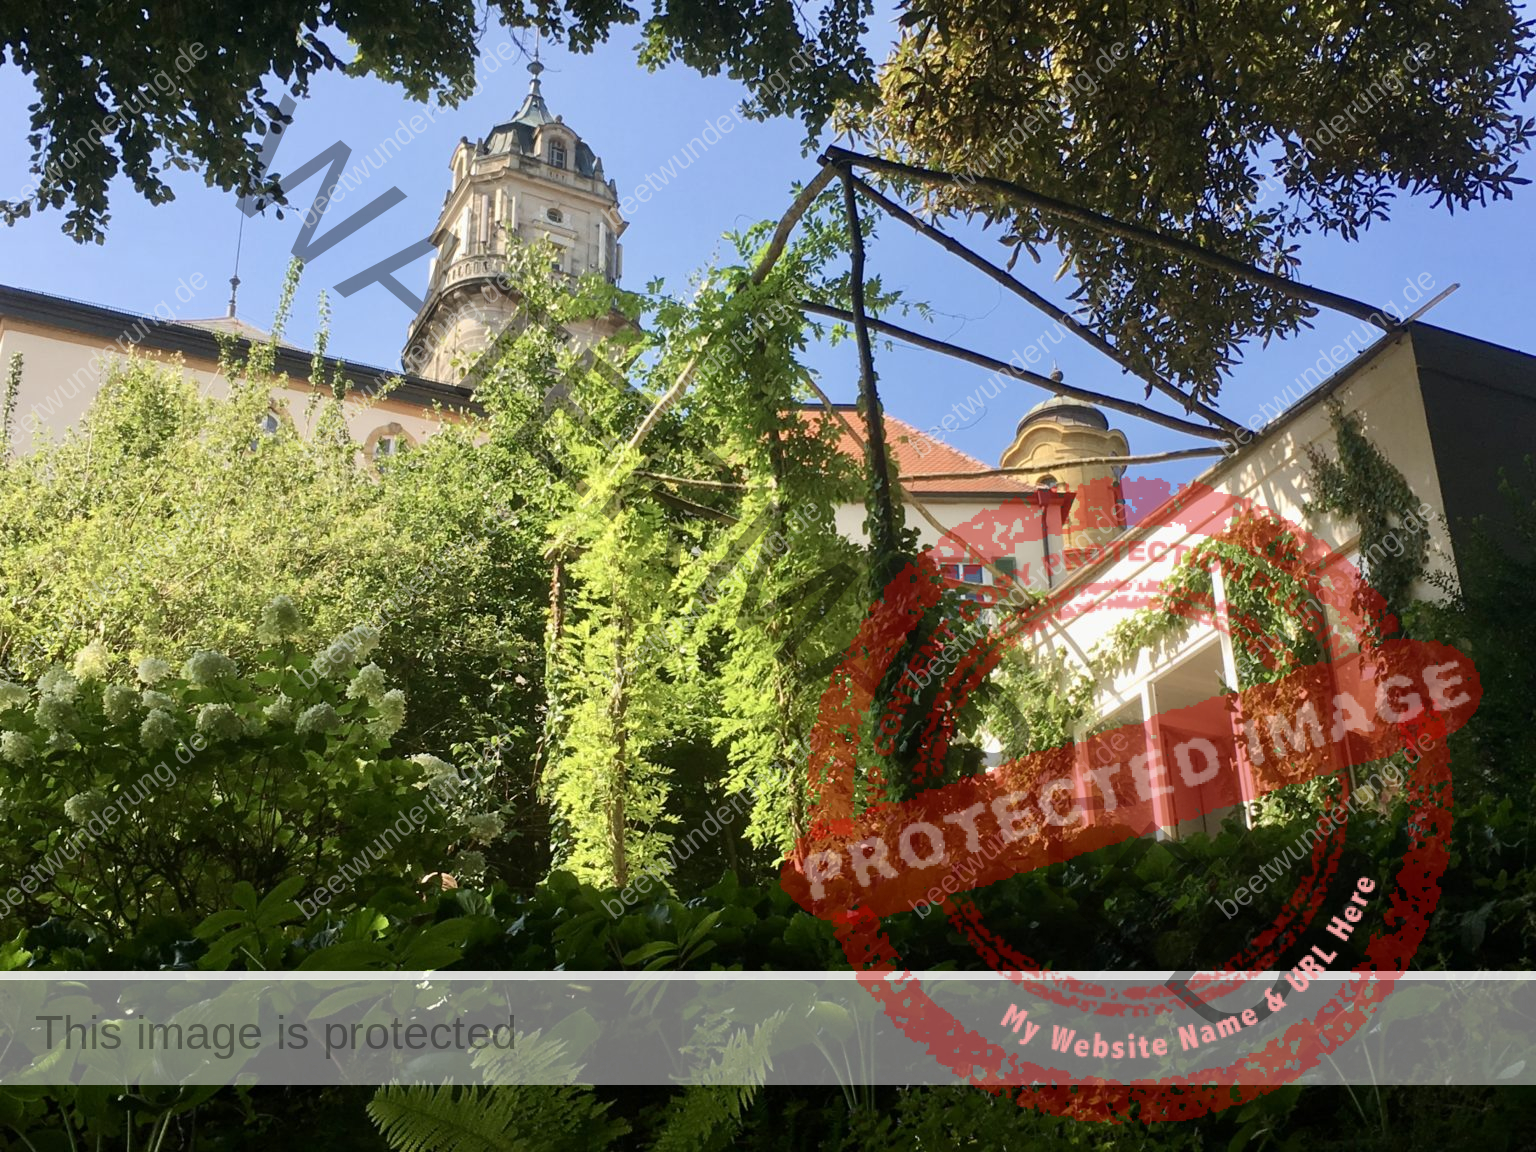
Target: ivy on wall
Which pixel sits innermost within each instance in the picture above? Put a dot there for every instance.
(1033, 705)
(1363, 486)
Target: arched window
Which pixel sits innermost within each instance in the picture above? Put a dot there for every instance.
(386, 441)
(267, 424)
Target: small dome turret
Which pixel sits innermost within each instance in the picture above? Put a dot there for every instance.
(1049, 441)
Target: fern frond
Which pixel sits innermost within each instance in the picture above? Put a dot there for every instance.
(702, 1118)
(520, 1118)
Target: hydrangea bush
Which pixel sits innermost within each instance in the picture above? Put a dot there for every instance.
(133, 790)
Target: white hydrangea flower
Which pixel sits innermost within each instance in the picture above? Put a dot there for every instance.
(368, 684)
(280, 618)
(320, 718)
(470, 863)
(118, 701)
(152, 700)
(207, 667)
(433, 767)
(93, 661)
(159, 728)
(329, 661)
(280, 711)
(392, 705)
(364, 638)
(58, 683)
(219, 721)
(14, 695)
(391, 708)
(83, 805)
(16, 747)
(484, 826)
(55, 713)
(152, 670)
(347, 650)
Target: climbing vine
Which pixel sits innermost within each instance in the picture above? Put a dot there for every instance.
(1362, 485)
(8, 402)
(1035, 703)
(1275, 619)
(700, 587)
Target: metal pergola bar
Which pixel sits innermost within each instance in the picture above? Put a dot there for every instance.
(1147, 458)
(981, 360)
(845, 160)
(1049, 308)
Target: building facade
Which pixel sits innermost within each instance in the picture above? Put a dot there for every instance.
(531, 179)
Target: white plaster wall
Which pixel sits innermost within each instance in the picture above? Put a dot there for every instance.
(1028, 555)
(60, 378)
(1272, 473)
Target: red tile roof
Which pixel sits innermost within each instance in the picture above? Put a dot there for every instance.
(915, 453)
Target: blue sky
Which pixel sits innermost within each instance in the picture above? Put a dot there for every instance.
(637, 121)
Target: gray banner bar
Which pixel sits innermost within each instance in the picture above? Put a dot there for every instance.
(754, 1027)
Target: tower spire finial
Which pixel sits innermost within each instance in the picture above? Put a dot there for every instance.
(534, 68)
(234, 281)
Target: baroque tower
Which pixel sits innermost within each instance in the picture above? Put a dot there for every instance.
(532, 178)
(1050, 440)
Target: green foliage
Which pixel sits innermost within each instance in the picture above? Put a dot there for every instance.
(1487, 913)
(166, 523)
(1266, 590)
(690, 628)
(510, 1119)
(701, 580)
(8, 403)
(1238, 127)
(1031, 706)
(141, 794)
(129, 93)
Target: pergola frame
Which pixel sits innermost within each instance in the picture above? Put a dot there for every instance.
(842, 164)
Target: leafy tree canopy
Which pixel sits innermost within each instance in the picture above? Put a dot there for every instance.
(1239, 127)
(130, 90)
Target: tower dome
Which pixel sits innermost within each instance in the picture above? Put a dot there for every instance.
(1066, 410)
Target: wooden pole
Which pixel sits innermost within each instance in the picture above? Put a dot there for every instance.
(1054, 311)
(797, 209)
(884, 535)
(981, 360)
(1075, 213)
(770, 257)
(688, 481)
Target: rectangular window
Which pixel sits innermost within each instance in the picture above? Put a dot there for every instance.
(556, 154)
(971, 574)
